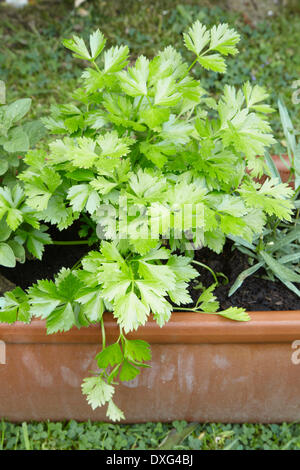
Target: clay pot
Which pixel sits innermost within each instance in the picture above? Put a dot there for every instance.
(204, 368)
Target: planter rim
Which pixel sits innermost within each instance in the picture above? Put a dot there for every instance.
(184, 328)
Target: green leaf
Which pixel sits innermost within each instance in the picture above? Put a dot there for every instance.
(61, 319)
(17, 141)
(137, 350)
(7, 256)
(128, 371)
(254, 95)
(5, 230)
(81, 174)
(97, 390)
(35, 240)
(153, 272)
(110, 356)
(18, 250)
(115, 59)
(207, 301)
(3, 166)
(131, 312)
(43, 298)
(272, 198)
(110, 252)
(77, 45)
(15, 111)
(153, 295)
(14, 306)
(103, 185)
(197, 37)
(280, 271)
(113, 146)
(92, 304)
(113, 412)
(58, 213)
(223, 39)
(213, 62)
(175, 438)
(134, 80)
(97, 43)
(35, 131)
(235, 313)
(287, 239)
(83, 196)
(287, 125)
(166, 92)
(242, 276)
(39, 187)
(154, 117)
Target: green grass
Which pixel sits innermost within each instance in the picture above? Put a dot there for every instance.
(34, 63)
(82, 436)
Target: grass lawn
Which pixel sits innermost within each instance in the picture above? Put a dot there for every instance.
(33, 62)
(75, 436)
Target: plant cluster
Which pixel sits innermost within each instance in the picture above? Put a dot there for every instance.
(158, 168)
(19, 226)
(277, 249)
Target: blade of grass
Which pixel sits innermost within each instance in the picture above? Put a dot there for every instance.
(25, 436)
(242, 276)
(174, 438)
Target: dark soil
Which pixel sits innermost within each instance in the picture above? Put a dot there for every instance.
(255, 293)
(54, 258)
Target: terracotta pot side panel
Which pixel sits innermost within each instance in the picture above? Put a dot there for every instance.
(204, 382)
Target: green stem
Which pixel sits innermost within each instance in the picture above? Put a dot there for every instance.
(88, 221)
(75, 242)
(109, 378)
(96, 67)
(77, 264)
(208, 268)
(139, 105)
(185, 309)
(192, 65)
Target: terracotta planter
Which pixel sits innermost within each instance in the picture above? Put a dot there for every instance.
(204, 368)
(283, 170)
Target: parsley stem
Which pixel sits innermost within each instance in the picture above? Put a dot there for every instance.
(185, 309)
(75, 242)
(208, 268)
(77, 264)
(139, 104)
(111, 375)
(96, 67)
(89, 221)
(192, 65)
(102, 333)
